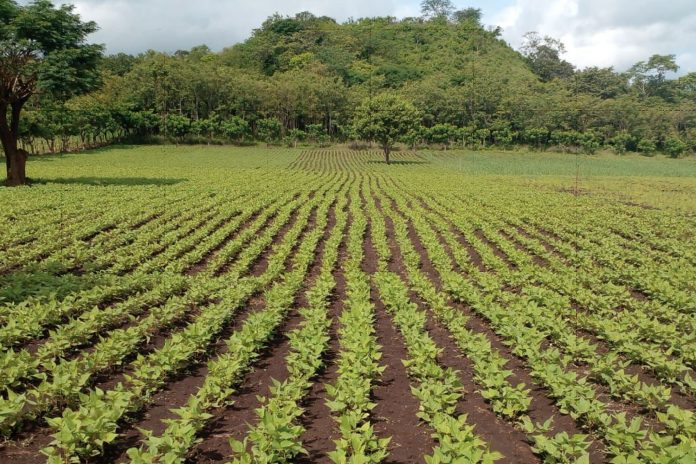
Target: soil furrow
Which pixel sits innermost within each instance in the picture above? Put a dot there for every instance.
(396, 412)
(500, 435)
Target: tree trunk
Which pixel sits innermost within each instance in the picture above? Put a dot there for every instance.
(15, 161)
(387, 150)
(15, 158)
(16, 174)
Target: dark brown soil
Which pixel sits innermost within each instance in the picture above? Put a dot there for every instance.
(27, 448)
(104, 230)
(395, 413)
(677, 397)
(536, 259)
(176, 392)
(180, 235)
(210, 254)
(315, 268)
(259, 265)
(33, 443)
(641, 206)
(474, 256)
(549, 248)
(216, 223)
(320, 427)
(496, 251)
(36, 435)
(638, 295)
(644, 375)
(148, 219)
(502, 436)
(541, 408)
(109, 380)
(234, 421)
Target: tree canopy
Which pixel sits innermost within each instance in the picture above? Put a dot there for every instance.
(544, 57)
(386, 119)
(303, 77)
(437, 8)
(42, 49)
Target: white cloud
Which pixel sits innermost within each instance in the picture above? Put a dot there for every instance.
(136, 25)
(607, 32)
(596, 32)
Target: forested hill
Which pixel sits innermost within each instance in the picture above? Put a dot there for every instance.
(303, 76)
(393, 53)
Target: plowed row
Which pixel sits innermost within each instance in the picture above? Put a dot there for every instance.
(339, 310)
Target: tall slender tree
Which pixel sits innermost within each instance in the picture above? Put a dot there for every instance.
(544, 57)
(441, 9)
(43, 49)
(650, 78)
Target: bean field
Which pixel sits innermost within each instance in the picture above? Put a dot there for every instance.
(243, 305)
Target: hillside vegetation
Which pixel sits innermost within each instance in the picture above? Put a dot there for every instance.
(301, 78)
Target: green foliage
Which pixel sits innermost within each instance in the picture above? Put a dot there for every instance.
(565, 139)
(205, 127)
(544, 57)
(386, 119)
(234, 128)
(268, 130)
(691, 139)
(604, 83)
(44, 49)
(589, 142)
(563, 448)
(502, 134)
(647, 146)
(177, 126)
(443, 134)
(674, 147)
(305, 71)
(453, 252)
(85, 436)
(293, 136)
(649, 78)
(468, 15)
(316, 134)
(62, 64)
(622, 142)
(537, 137)
(437, 9)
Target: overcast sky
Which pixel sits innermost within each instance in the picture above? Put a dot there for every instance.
(596, 32)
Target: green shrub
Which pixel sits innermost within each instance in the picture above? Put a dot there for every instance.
(621, 142)
(647, 147)
(674, 147)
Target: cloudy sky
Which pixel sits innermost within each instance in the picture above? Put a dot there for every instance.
(596, 32)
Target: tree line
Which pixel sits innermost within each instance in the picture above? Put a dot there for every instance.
(307, 78)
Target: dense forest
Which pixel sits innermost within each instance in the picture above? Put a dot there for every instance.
(301, 79)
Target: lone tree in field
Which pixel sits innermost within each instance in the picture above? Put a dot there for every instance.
(43, 50)
(385, 119)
